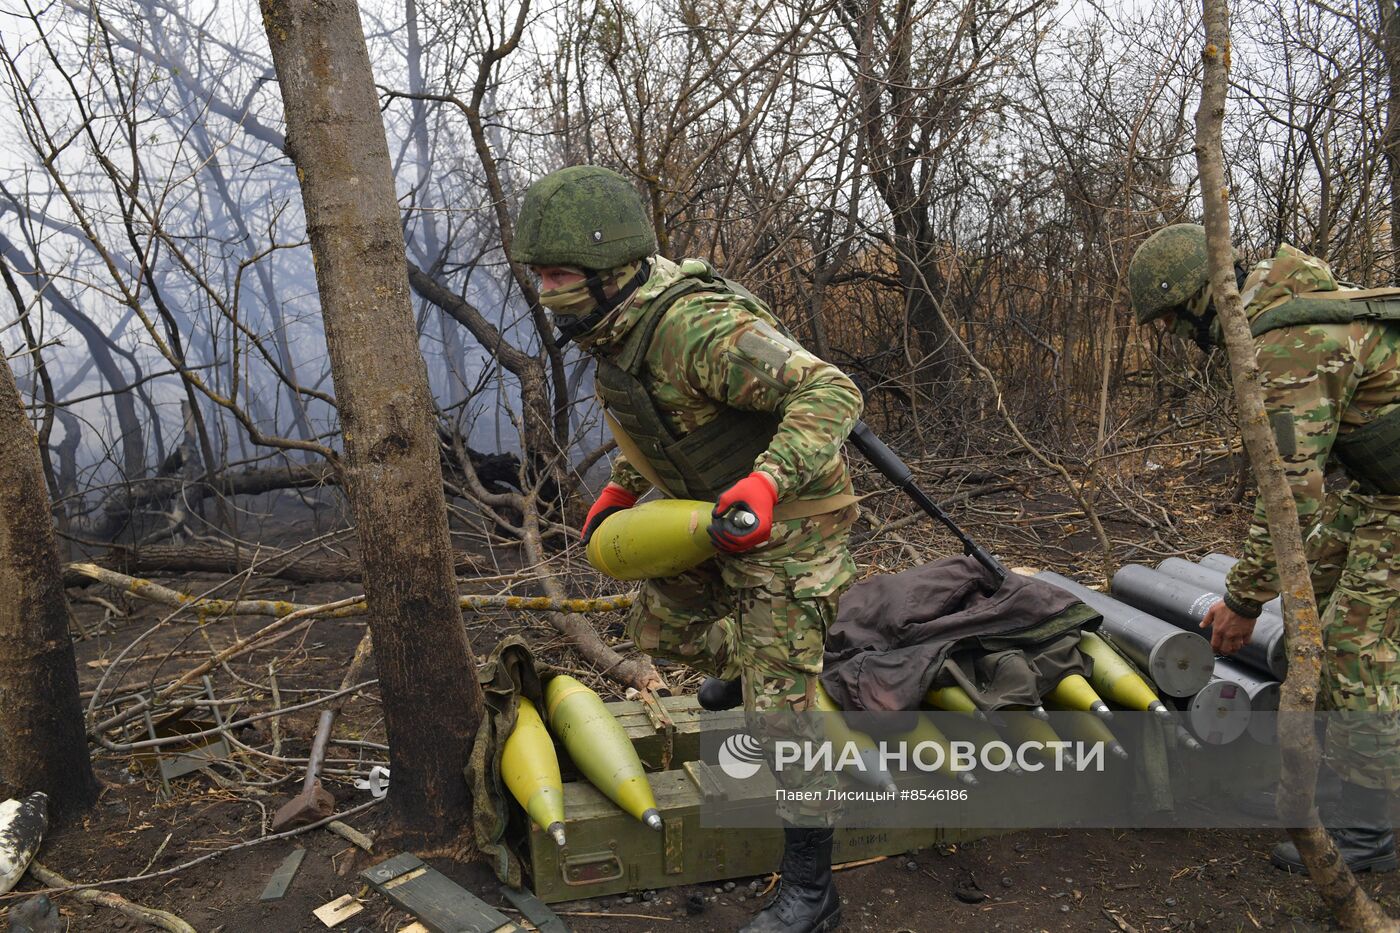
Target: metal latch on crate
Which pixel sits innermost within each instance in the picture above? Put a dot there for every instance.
(662, 722)
(587, 868)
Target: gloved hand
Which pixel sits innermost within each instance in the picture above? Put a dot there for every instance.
(756, 493)
(612, 499)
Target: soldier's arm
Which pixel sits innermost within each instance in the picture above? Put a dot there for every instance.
(737, 358)
(1308, 375)
(625, 475)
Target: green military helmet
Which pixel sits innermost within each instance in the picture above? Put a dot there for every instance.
(1167, 270)
(586, 216)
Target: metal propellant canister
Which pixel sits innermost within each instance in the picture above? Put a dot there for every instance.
(1185, 604)
(1263, 696)
(1210, 577)
(1179, 662)
(1220, 713)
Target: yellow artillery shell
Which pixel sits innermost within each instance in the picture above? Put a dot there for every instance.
(531, 771)
(1021, 726)
(1080, 726)
(651, 540)
(840, 734)
(925, 731)
(952, 699)
(599, 747)
(1115, 680)
(1074, 692)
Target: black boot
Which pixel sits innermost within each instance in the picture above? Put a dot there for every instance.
(806, 901)
(1263, 804)
(717, 694)
(1363, 834)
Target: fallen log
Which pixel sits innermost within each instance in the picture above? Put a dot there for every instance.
(160, 919)
(277, 607)
(156, 492)
(306, 567)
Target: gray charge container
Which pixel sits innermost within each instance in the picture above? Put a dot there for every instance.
(1263, 696)
(1220, 713)
(1185, 604)
(1210, 578)
(1179, 662)
(1216, 561)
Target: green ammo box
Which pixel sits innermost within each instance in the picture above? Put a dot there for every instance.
(610, 852)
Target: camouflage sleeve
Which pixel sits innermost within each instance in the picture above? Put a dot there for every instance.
(736, 357)
(1309, 376)
(625, 475)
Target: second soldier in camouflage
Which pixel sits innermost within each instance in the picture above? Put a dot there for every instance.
(1329, 363)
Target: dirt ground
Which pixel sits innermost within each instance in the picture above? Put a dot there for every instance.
(1155, 880)
(1030, 881)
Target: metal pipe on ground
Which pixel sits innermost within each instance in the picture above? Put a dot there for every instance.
(1179, 662)
(1184, 605)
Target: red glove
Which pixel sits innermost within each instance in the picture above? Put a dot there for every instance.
(756, 494)
(612, 499)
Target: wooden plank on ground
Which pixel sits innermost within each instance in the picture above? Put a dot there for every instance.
(437, 901)
(282, 878)
(338, 910)
(534, 910)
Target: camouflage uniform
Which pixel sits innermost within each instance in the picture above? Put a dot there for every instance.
(1319, 380)
(763, 613)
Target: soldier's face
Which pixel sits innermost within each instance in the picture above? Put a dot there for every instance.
(1179, 325)
(552, 277)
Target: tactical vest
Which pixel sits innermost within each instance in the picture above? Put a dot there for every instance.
(702, 463)
(1371, 453)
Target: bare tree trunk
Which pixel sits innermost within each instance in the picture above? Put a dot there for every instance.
(1390, 45)
(42, 742)
(432, 703)
(1297, 739)
(132, 444)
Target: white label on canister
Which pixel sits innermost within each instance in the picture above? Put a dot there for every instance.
(1203, 603)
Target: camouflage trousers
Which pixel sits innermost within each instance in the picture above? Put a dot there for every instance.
(763, 616)
(1354, 552)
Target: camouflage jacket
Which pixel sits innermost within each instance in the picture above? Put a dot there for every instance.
(1318, 380)
(696, 365)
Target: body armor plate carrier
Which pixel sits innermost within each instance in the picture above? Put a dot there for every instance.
(1371, 453)
(702, 463)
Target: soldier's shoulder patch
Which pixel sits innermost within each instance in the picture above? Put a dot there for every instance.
(764, 343)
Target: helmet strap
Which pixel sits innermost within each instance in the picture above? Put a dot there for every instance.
(577, 327)
(1201, 326)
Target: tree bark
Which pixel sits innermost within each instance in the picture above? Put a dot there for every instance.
(392, 474)
(1297, 740)
(1390, 47)
(42, 743)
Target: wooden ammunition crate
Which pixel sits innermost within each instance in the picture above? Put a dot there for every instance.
(610, 852)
